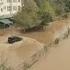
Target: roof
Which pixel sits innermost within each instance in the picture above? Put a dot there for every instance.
(5, 16)
(6, 21)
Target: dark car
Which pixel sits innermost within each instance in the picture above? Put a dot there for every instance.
(14, 39)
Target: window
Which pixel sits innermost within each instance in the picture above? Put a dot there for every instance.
(1, 9)
(9, 1)
(14, 8)
(14, 0)
(0, 0)
(19, 0)
(19, 8)
(4, 7)
(9, 8)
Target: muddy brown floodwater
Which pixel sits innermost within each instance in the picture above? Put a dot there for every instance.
(57, 58)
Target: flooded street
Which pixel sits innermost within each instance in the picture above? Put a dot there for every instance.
(57, 58)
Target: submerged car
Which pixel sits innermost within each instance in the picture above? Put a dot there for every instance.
(14, 39)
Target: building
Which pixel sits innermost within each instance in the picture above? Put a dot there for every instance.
(9, 7)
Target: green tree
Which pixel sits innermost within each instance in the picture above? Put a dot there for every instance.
(46, 11)
(28, 16)
(67, 5)
(36, 12)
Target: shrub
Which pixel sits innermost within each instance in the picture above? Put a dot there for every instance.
(3, 67)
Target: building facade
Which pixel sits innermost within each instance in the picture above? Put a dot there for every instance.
(9, 7)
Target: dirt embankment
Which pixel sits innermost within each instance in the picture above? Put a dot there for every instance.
(56, 29)
(53, 31)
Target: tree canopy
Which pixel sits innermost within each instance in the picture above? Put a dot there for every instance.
(36, 12)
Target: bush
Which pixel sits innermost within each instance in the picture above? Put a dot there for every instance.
(3, 67)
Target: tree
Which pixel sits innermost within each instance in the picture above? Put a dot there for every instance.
(40, 12)
(67, 5)
(28, 16)
(46, 11)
